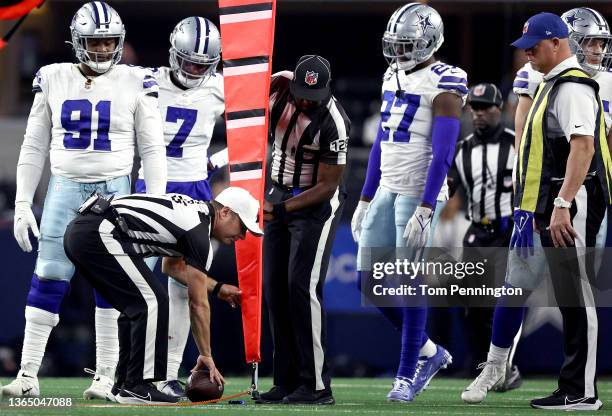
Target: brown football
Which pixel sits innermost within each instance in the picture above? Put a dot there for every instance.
(199, 388)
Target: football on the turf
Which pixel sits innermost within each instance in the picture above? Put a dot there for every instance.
(199, 388)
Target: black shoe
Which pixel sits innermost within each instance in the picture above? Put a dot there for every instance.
(115, 390)
(274, 395)
(144, 393)
(305, 395)
(559, 400)
(513, 380)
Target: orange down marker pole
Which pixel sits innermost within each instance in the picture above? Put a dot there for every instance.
(247, 38)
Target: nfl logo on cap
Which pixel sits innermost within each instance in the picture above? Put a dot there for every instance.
(525, 27)
(479, 90)
(311, 77)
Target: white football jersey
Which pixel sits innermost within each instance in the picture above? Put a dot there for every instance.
(189, 117)
(527, 81)
(94, 123)
(406, 121)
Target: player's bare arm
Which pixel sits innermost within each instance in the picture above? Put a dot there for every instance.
(177, 269)
(199, 312)
(328, 179)
(582, 149)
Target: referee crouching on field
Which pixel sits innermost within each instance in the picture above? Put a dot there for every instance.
(310, 131)
(483, 168)
(108, 242)
(563, 171)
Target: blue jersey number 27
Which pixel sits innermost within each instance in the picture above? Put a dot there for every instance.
(173, 115)
(398, 122)
(82, 125)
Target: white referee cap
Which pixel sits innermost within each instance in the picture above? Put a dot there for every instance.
(244, 204)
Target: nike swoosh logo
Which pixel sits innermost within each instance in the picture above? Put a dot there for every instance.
(568, 401)
(575, 126)
(147, 397)
(25, 391)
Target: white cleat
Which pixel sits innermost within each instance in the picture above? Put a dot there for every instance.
(101, 387)
(24, 385)
(491, 376)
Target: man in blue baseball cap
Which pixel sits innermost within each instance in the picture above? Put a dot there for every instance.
(539, 27)
(562, 187)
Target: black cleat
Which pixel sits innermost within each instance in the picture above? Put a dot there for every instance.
(559, 400)
(145, 393)
(305, 395)
(274, 395)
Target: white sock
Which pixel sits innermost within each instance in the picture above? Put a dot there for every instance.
(39, 324)
(178, 330)
(497, 354)
(107, 341)
(428, 349)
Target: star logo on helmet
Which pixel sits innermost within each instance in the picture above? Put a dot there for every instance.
(571, 19)
(425, 22)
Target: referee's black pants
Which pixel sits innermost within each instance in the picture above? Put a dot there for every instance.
(296, 255)
(129, 286)
(479, 320)
(571, 270)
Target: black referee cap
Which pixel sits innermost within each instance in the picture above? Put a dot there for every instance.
(485, 93)
(311, 78)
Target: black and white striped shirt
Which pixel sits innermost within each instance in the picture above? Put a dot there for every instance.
(485, 167)
(168, 225)
(303, 139)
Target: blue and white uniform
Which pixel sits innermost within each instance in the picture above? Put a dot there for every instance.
(189, 117)
(89, 128)
(406, 150)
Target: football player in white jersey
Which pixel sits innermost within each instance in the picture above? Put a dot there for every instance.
(591, 41)
(422, 101)
(190, 101)
(88, 117)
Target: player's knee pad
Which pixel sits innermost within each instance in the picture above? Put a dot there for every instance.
(52, 261)
(47, 294)
(101, 302)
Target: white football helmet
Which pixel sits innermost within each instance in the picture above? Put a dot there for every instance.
(590, 38)
(97, 20)
(414, 32)
(195, 51)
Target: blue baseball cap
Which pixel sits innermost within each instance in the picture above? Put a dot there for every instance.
(539, 27)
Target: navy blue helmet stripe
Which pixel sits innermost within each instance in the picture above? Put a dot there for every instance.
(96, 14)
(106, 19)
(198, 34)
(597, 18)
(207, 34)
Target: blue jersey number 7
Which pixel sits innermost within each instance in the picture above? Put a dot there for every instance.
(173, 115)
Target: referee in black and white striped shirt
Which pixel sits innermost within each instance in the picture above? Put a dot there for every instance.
(483, 167)
(108, 243)
(310, 131)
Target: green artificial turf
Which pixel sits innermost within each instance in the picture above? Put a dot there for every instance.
(354, 396)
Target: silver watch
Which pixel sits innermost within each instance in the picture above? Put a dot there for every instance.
(561, 203)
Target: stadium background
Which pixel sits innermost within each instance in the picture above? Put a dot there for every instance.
(348, 33)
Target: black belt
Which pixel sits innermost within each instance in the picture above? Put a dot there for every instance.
(493, 225)
(99, 205)
(294, 191)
